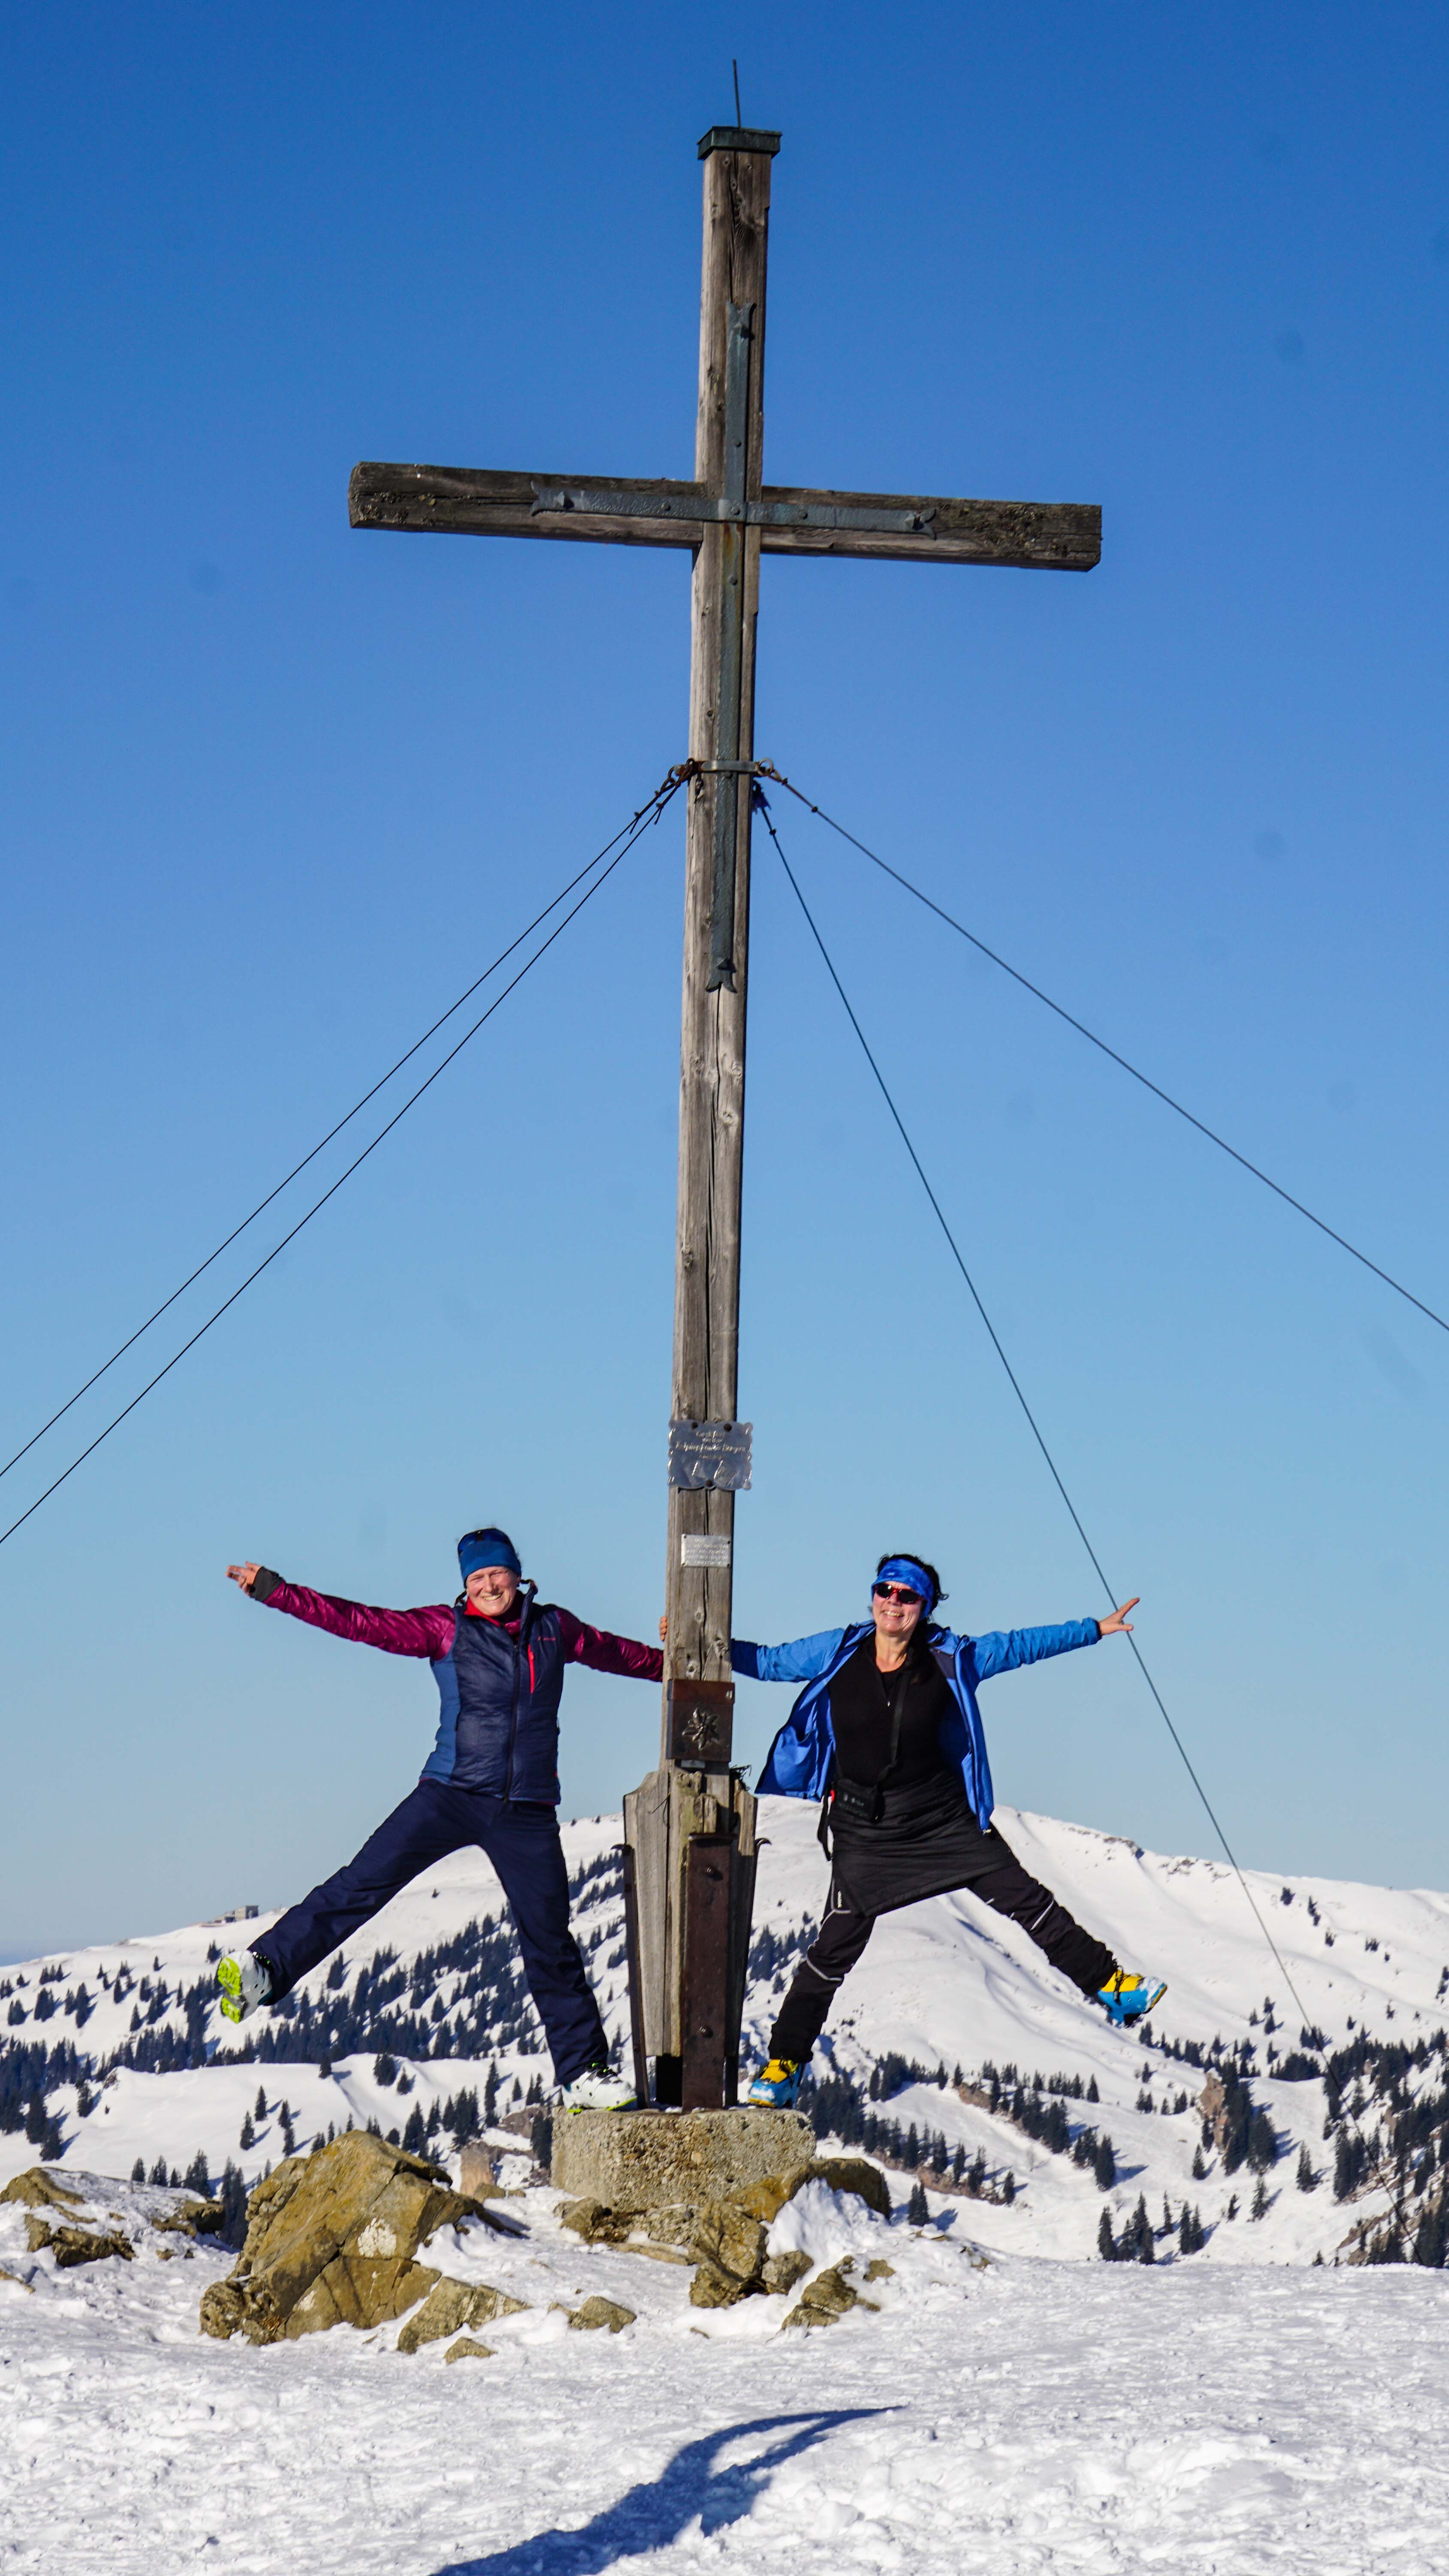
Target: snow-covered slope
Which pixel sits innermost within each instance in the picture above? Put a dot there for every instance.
(947, 1986)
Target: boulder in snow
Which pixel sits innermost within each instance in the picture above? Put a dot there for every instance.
(334, 2239)
(451, 2304)
(597, 2312)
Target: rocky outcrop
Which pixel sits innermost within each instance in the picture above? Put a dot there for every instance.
(60, 2220)
(598, 2312)
(334, 2239)
(830, 2295)
(726, 2238)
(451, 2304)
(467, 2348)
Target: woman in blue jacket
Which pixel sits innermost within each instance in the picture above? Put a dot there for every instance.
(887, 1734)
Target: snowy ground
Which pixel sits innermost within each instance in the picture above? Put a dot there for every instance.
(1237, 2410)
(945, 1983)
(1034, 2415)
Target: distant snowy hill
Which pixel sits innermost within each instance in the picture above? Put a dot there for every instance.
(117, 2054)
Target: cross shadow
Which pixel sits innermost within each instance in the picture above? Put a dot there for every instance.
(652, 2515)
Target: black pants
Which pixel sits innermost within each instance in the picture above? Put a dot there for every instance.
(998, 1878)
(522, 1842)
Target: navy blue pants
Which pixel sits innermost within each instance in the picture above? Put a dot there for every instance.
(522, 1842)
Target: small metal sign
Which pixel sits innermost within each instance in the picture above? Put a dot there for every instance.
(698, 1549)
(710, 1453)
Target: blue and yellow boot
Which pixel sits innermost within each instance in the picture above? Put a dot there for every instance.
(1130, 1998)
(776, 2086)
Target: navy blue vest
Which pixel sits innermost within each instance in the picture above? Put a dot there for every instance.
(498, 1725)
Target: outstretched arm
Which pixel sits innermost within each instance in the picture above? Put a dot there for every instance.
(603, 1652)
(1005, 1650)
(426, 1632)
(799, 1660)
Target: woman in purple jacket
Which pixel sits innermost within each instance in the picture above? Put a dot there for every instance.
(499, 1656)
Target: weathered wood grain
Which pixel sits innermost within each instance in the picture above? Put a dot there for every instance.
(1041, 536)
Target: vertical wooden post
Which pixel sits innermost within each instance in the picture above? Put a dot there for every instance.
(698, 1793)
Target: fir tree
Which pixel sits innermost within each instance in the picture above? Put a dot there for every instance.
(1106, 2241)
(1092, 2093)
(958, 2165)
(158, 2171)
(1199, 2169)
(233, 2199)
(1306, 2178)
(917, 2207)
(1260, 2198)
(1104, 2166)
(415, 2136)
(1144, 2244)
(260, 2105)
(1008, 2186)
(248, 2136)
(138, 2170)
(1232, 2208)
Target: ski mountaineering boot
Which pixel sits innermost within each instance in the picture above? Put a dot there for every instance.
(245, 1982)
(596, 2090)
(776, 2085)
(1128, 1998)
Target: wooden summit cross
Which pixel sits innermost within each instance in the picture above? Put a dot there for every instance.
(690, 1828)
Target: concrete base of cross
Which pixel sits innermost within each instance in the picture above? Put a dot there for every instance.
(661, 2159)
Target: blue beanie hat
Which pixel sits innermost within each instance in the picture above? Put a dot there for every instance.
(487, 1547)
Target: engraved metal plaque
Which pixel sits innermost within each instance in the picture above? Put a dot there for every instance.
(701, 1722)
(697, 1548)
(710, 1453)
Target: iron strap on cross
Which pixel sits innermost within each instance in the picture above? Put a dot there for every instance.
(690, 1827)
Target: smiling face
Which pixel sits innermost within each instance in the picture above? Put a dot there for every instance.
(896, 1611)
(492, 1589)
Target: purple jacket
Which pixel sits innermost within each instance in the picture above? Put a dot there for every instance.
(499, 1680)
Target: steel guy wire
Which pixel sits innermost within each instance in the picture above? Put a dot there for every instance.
(763, 809)
(649, 813)
(1103, 1048)
(658, 800)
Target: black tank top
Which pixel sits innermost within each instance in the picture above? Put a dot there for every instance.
(861, 1700)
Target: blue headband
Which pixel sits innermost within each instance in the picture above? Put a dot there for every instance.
(487, 1547)
(904, 1569)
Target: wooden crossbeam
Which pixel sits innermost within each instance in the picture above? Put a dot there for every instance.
(1044, 536)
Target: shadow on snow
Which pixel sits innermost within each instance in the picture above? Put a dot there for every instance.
(652, 2515)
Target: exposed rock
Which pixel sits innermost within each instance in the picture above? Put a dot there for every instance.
(477, 2172)
(880, 2270)
(333, 2239)
(729, 2247)
(598, 2312)
(830, 2295)
(852, 2173)
(1212, 2101)
(72, 2245)
(451, 2304)
(468, 2349)
(595, 2223)
(782, 2271)
(193, 2218)
(37, 2189)
(7, 2275)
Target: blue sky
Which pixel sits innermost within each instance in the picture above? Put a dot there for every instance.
(275, 791)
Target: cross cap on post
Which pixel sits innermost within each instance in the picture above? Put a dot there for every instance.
(738, 138)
